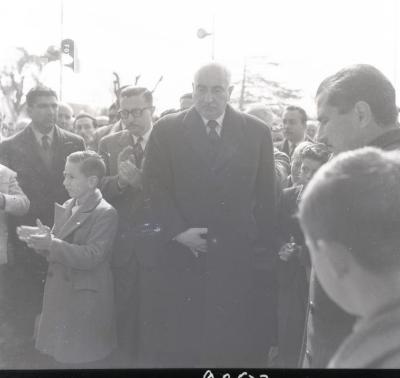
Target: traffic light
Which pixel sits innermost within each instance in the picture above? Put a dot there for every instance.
(68, 53)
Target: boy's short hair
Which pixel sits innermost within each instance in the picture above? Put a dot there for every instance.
(354, 200)
(316, 151)
(92, 164)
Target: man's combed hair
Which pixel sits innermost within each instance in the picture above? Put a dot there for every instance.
(39, 91)
(362, 82)
(293, 108)
(130, 91)
(355, 200)
(92, 164)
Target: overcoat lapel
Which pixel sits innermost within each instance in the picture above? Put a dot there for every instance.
(196, 136)
(65, 223)
(232, 136)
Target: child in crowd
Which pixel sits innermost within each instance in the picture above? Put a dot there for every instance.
(77, 323)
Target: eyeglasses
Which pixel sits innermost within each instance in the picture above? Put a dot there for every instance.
(136, 112)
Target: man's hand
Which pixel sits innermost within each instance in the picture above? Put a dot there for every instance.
(126, 154)
(192, 238)
(288, 251)
(128, 173)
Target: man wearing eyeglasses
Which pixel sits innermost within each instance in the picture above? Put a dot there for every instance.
(123, 153)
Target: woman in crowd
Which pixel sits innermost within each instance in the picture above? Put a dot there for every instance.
(293, 259)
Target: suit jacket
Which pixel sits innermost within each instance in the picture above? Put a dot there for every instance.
(129, 202)
(43, 186)
(234, 197)
(104, 131)
(77, 320)
(374, 343)
(16, 203)
(327, 324)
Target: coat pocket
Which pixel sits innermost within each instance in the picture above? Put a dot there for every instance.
(84, 281)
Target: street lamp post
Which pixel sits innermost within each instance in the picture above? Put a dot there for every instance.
(202, 33)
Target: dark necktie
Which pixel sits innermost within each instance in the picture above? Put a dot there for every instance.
(212, 133)
(138, 151)
(45, 143)
(46, 154)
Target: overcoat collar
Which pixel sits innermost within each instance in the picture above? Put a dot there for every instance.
(231, 137)
(65, 222)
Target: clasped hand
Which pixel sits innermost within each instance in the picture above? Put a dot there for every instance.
(288, 251)
(128, 173)
(39, 238)
(193, 238)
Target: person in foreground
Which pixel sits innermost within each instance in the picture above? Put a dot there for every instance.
(77, 323)
(350, 214)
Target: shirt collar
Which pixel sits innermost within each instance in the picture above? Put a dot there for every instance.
(219, 120)
(39, 135)
(145, 137)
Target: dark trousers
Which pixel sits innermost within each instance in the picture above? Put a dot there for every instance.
(21, 295)
(126, 292)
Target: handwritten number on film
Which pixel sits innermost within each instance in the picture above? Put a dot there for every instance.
(209, 374)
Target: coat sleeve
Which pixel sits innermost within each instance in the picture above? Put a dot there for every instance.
(17, 203)
(158, 184)
(94, 251)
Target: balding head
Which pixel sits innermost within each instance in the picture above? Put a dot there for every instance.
(214, 68)
(211, 90)
(65, 116)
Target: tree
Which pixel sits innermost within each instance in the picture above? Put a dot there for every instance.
(18, 77)
(255, 87)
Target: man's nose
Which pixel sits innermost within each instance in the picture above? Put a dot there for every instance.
(208, 97)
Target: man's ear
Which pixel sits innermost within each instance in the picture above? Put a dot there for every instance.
(363, 113)
(337, 254)
(152, 109)
(93, 181)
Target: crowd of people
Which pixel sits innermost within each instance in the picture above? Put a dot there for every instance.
(206, 239)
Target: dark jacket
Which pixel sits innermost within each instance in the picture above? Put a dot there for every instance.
(292, 281)
(374, 343)
(327, 324)
(218, 306)
(43, 186)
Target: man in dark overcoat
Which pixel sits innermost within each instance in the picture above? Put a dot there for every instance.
(209, 175)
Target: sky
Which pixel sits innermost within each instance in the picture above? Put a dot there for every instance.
(310, 39)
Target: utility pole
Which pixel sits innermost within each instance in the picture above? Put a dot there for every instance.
(243, 89)
(61, 39)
